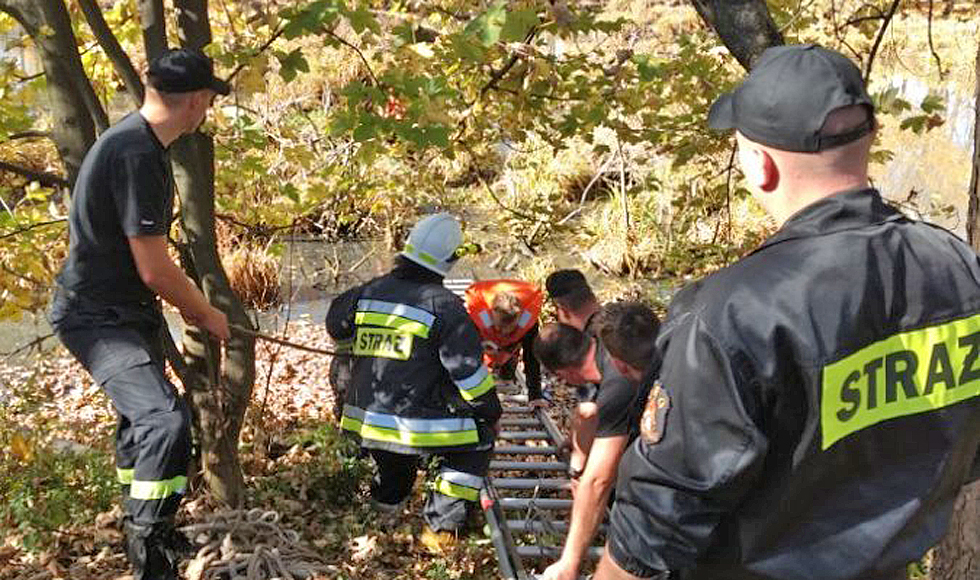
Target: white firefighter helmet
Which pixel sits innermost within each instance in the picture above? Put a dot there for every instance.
(433, 241)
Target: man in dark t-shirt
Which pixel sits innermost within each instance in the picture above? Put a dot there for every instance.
(628, 331)
(578, 357)
(105, 308)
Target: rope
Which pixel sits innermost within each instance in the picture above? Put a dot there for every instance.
(251, 545)
(281, 341)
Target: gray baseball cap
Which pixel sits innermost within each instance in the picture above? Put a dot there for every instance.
(786, 97)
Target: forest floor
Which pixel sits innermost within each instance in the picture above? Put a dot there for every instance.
(303, 479)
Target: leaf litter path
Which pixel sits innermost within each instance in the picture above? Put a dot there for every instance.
(53, 401)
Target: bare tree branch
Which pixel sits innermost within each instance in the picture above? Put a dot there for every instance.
(260, 50)
(43, 177)
(367, 65)
(879, 38)
(31, 227)
(932, 47)
(107, 40)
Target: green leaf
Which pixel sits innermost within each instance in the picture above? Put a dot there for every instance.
(518, 24)
(361, 19)
(933, 103)
(487, 27)
(290, 191)
(366, 129)
(291, 63)
(309, 18)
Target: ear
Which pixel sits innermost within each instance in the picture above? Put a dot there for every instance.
(758, 166)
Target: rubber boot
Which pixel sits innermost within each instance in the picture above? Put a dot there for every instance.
(148, 553)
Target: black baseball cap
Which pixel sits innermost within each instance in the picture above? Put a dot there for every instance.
(182, 70)
(563, 282)
(786, 97)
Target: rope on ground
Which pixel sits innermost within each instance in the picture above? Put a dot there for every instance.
(281, 341)
(251, 545)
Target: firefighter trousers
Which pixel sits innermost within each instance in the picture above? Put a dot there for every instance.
(455, 491)
(153, 435)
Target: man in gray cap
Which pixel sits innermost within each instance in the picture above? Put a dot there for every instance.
(818, 407)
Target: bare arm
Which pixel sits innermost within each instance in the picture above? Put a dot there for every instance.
(162, 275)
(584, 423)
(589, 506)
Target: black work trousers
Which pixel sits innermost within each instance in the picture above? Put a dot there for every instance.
(455, 490)
(153, 435)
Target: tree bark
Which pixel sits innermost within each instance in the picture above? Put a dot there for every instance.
(107, 40)
(219, 395)
(745, 26)
(957, 557)
(152, 18)
(75, 109)
(973, 207)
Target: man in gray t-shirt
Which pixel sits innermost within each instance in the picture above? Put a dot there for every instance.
(105, 308)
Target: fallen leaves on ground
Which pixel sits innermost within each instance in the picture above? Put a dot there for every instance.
(56, 400)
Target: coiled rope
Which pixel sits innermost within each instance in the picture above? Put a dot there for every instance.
(251, 545)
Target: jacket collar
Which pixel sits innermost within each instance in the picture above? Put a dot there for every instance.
(846, 210)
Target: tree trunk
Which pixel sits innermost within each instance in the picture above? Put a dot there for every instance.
(957, 557)
(973, 207)
(745, 26)
(154, 27)
(219, 395)
(75, 109)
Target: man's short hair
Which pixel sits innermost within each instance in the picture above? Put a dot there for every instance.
(570, 289)
(506, 307)
(559, 346)
(628, 331)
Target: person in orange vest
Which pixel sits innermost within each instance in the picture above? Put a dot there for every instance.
(506, 314)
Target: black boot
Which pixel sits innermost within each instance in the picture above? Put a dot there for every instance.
(148, 553)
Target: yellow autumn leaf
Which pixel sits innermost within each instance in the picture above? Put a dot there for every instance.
(21, 448)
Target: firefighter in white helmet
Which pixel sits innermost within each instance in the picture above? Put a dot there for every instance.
(418, 383)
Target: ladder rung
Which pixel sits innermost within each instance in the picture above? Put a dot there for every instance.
(532, 526)
(518, 410)
(521, 421)
(525, 450)
(529, 465)
(529, 483)
(523, 435)
(595, 552)
(514, 503)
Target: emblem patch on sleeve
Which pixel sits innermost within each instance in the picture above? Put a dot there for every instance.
(655, 414)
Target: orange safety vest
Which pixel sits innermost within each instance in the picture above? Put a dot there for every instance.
(497, 350)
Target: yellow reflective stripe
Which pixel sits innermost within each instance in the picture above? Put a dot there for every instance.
(424, 256)
(907, 373)
(125, 476)
(407, 438)
(485, 385)
(452, 490)
(157, 489)
(392, 321)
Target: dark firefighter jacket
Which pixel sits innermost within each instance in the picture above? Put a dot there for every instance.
(821, 405)
(418, 382)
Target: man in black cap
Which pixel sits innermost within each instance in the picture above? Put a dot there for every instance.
(105, 308)
(818, 405)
